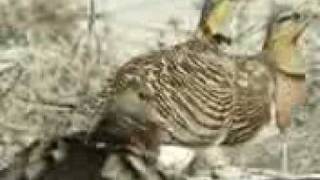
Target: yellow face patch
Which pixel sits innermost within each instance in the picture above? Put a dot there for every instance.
(216, 17)
(285, 49)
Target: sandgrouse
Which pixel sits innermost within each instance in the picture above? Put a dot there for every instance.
(282, 45)
(201, 96)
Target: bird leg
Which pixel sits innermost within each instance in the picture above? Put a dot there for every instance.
(243, 161)
(284, 152)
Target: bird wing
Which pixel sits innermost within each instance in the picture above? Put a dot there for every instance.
(191, 87)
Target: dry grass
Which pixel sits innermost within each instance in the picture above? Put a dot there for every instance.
(57, 18)
(49, 56)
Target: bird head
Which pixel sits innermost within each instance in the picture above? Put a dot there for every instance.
(282, 39)
(214, 14)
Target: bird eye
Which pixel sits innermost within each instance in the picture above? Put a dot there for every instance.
(283, 19)
(296, 16)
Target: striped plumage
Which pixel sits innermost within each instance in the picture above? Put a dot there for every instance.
(201, 96)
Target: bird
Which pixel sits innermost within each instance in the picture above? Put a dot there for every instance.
(284, 31)
(283, 45)
(120, 150)
(284, 34)
(197, 91)
(202, 97)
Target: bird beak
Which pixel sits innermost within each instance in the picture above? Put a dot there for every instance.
(301, 29)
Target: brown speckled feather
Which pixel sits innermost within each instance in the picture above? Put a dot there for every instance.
(202, 96)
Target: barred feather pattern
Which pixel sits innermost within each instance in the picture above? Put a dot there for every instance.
(200, 95)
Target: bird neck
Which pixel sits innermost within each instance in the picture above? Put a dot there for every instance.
(291, 92)
(288, 58)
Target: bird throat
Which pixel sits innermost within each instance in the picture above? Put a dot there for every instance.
(290, 61)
